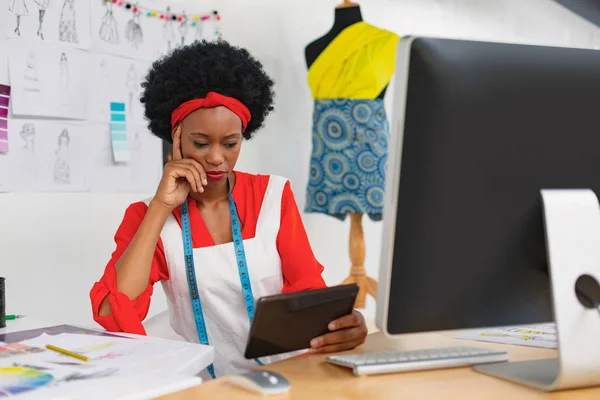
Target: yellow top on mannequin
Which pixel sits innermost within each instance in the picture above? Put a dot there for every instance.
(357, 64)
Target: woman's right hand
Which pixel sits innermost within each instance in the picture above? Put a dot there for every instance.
(180, 175)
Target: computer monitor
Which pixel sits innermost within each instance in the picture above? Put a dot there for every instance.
(478, 131)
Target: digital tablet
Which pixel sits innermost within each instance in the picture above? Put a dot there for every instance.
(288, 322)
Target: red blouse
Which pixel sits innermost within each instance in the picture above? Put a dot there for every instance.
(300, 268)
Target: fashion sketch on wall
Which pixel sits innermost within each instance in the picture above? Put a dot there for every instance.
(136, 157)
(104, 86)
(27, 156)
(42, 6)
(65, 85)
(200, 30)
(62, 167)
(168, 32)
(67, 28)
(31, 82)
(183, 28)
(133, 31)
(19, 9)
(132, 86)
(108, 28)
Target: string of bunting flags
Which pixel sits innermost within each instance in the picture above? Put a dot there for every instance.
(193, 20)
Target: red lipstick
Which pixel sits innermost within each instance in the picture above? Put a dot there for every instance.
(216, 175)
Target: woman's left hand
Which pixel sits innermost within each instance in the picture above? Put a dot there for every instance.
(346, 333)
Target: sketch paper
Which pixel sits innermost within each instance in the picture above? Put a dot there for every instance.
(48, 81)
(141, 175)
(64, 157)
(116, 30)
(65, 22)
(103, 351)
(531, 335)
(120, 31)
(179, 33)
(118, 133)
(4, 103)
(40, 369)
(47, 156)
(24, 157)
(116, 79)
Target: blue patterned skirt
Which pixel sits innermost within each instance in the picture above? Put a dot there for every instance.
(349, 158)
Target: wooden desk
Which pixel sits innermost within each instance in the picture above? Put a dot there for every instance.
(311, 378)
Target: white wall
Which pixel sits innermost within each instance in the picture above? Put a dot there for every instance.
(42, 237)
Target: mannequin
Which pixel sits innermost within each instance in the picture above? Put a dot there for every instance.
(342, 45)
(346, 14)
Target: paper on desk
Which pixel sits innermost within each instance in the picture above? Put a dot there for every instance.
(530, 335)
(121, 353)
(25, 371)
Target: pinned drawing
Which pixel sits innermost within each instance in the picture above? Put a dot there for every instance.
(104, 87)
(208, 28)
(46, 79)
(62, 167)
(132, 86)
(42, 6)
(108, 28)
(67, 28)
(183, 27)
(534, 335)
(136, 157)
(133, 31)
(65, 87)
(19, 8)
(168, 33)
(31, 82)
(28, 136)
(27, 156)
(200, 30)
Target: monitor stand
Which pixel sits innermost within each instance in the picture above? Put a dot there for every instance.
(572, 223)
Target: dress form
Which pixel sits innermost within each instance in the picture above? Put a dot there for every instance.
(346, 14)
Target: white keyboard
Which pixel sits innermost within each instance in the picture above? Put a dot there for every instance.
(417, 360)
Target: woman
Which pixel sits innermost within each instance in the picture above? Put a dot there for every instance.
(205, 98)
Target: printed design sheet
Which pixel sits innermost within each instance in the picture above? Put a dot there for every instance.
(543, 335)
(48, 81)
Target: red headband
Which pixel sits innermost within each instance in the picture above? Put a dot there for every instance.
(212, 99)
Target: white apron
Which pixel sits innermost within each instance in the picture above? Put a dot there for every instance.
(219, 285)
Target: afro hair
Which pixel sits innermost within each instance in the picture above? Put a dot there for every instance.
(191, 71)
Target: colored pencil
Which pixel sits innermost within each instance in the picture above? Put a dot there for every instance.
(67, 352)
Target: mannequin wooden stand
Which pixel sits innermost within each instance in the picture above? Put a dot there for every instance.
(367, 285)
